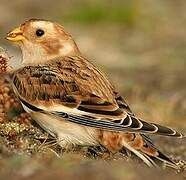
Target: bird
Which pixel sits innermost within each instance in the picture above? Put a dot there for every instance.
(72, 100)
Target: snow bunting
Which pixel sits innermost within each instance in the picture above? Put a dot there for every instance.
(74, 101)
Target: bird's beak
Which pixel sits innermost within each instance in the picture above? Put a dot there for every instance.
(16, 35)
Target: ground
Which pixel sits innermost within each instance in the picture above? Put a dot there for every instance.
(141, 46)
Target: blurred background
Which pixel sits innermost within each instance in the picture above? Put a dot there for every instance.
(140, 45)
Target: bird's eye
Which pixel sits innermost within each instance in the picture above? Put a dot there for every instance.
(40, 32)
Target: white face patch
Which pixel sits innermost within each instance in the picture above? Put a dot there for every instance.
(45, 25)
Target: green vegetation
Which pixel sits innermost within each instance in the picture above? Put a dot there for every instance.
(102, 13)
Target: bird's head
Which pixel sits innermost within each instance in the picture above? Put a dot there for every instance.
(42, 40)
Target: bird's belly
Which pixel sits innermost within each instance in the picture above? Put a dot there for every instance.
(67, 133)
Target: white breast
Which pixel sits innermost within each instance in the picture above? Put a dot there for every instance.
(68, 133)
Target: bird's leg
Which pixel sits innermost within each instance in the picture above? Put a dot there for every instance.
(98, 151)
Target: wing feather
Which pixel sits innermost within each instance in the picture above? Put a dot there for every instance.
(74, 89)
(131, 124)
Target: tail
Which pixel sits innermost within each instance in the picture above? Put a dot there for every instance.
(160, 161)
(143, 148)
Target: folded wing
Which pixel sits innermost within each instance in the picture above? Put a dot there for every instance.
(74, 89)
